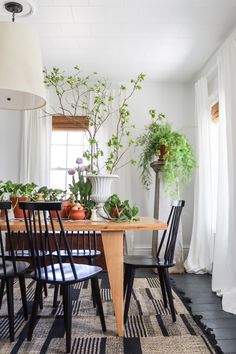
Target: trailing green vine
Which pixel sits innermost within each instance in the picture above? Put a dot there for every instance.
(178, 159)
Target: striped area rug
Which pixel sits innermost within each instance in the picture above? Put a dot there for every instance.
(149, 330)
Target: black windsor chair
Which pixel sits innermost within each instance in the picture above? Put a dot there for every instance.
(83, 244)
(161, 263)
(22, 252)
(10, 269)
(45, 239)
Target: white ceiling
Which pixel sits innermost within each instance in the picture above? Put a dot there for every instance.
(168, 40)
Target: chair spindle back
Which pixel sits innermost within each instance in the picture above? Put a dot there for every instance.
(45, 235)
(170, 235)
(6, 258)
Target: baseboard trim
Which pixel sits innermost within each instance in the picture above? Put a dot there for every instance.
(141, 250)
(147, 250)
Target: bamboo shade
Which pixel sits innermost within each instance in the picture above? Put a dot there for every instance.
(70, 123)
(215, 112)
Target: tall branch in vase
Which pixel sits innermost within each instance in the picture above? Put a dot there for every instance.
(103, 106)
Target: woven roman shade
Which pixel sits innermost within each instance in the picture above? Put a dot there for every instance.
(69, 123)
(215, 112)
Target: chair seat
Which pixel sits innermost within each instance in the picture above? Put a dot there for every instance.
(79, 253)
(83, 272)
(146, 261)
(20, 268)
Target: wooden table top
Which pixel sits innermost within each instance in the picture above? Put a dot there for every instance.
(144, 223)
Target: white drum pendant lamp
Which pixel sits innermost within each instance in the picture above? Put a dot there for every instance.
(21, 71)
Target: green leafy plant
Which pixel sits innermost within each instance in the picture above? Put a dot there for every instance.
(82, 188)
(27, 190)
(114, 108)
(51, 194)
(118, 210)
(178, 158)
(70, 89)
(14, 189)
(56, 195)
(2, 190)
(19, 189)
(93, 97)
(43, 191)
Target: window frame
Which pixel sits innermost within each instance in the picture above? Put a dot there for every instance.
(67, 124)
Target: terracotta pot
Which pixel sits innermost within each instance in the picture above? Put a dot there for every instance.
(64, 212)
(2, 214)
(18, 213)
(77, 214)
(163, 151)
(66, 206)
(114, 212)
(88, 213)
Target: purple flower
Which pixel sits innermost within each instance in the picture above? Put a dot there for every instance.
(71, 171)
(79, 160)
(81, 168)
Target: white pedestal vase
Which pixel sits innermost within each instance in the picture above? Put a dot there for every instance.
(101, 191)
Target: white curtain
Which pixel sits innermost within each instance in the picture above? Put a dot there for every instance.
(200, 255)
(35, 148)
(224, 266)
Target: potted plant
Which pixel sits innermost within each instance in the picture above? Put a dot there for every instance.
(94, 98)
(19, 192)
(118, 210)
(54, 195)
(73, 92)
(2, 192)
(104, 107)
(177, 154)
(81, 192)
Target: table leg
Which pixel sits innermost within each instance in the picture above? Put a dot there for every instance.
(113, 250)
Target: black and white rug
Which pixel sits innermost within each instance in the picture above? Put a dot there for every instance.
(149, 329)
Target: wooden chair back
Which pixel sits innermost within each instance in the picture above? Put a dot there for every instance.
(170, 235)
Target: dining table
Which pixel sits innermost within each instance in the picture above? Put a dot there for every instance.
(113, 244)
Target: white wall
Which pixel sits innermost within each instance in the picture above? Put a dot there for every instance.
(10, 139)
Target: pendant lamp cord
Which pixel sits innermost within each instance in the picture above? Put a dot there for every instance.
(13, 16)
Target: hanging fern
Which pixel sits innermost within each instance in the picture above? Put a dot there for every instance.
(178, 159)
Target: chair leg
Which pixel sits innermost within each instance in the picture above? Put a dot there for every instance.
(55, 296)
(169, 294)
(2, 286)
(96, 292)
(41, 300)
(45, 289)
(67, 304)
(61, 287)
(23, 295)
(10, 306)
(91, 262)
(126, 278)
(93, 295)
(130, 281)
(37, 300)
(162, 283)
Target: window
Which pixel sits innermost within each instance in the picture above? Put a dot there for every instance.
(68, 143)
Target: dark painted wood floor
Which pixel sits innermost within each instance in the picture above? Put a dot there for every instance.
(205, 303)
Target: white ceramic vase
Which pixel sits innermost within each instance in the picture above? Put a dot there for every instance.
(101, 191)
